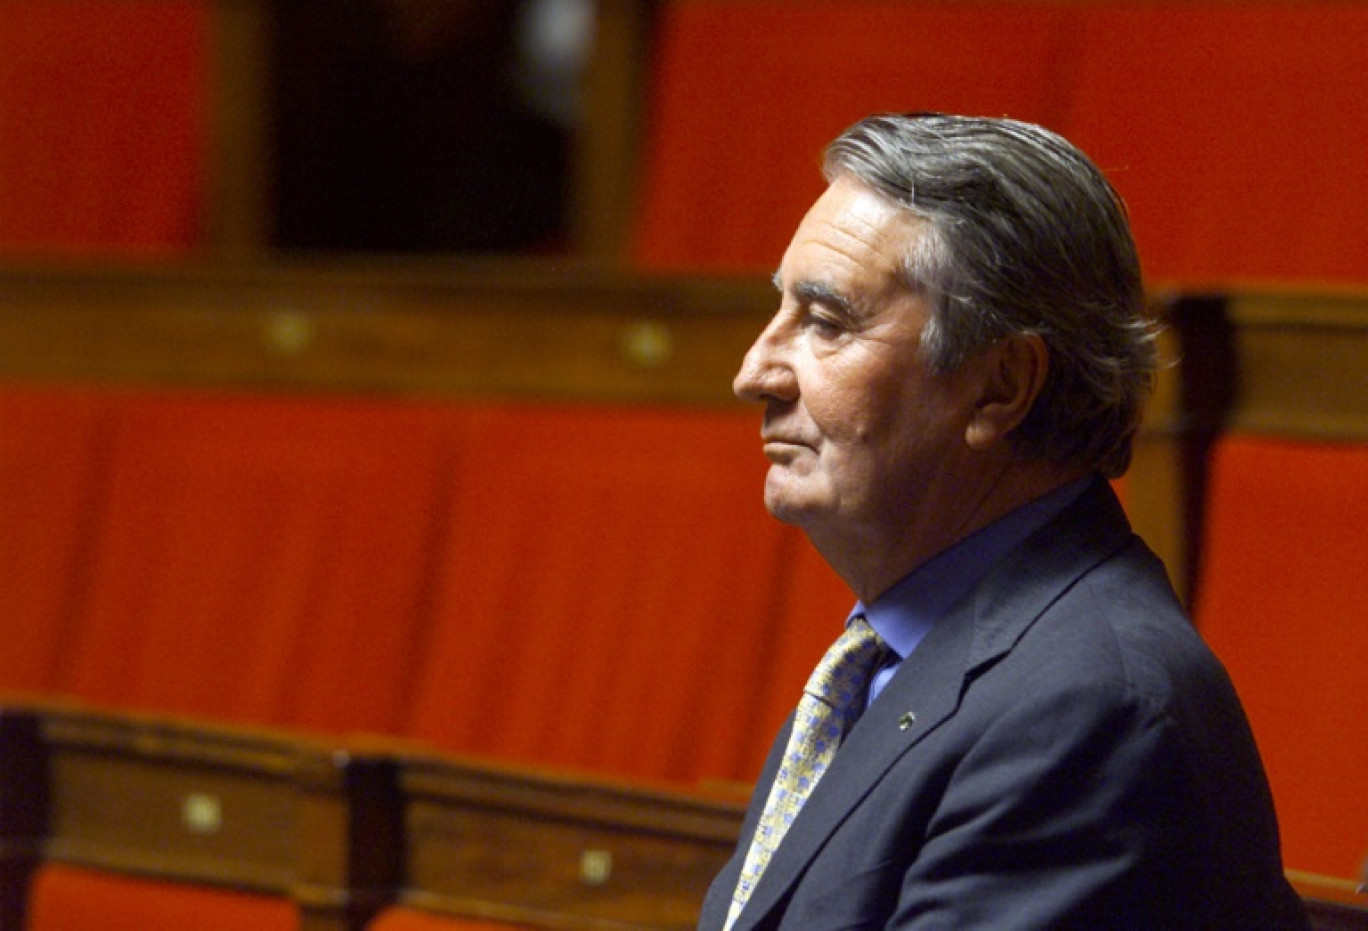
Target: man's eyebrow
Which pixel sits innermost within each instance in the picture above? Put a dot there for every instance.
(819, 292)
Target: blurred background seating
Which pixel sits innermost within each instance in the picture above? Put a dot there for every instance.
(336, 340)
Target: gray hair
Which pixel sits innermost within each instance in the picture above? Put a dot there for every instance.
(1024, 235)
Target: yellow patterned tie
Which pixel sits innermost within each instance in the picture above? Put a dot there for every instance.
(830, 703)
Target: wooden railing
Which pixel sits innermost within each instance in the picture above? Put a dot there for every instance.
(344, 828)
(436, 329)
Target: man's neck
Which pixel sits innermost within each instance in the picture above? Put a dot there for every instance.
(875, 561)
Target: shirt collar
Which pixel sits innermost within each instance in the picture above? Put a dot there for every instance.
(904, 614)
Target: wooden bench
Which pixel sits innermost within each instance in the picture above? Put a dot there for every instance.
(323, 835)
(1333, 904)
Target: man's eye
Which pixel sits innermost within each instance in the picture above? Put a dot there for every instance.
(825, 327)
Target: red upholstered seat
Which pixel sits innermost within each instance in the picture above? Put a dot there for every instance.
(103, 126)
(51, 446)
(1205, 116)
(615, 598)
(591, 587)
(1282, 600)
(1188, 108)
(746, 94)
(66, 898)
(408, 919)
(261, 559)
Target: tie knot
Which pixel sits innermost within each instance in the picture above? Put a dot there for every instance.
(843, 674)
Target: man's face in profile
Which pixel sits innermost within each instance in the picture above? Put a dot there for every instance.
(862, 440)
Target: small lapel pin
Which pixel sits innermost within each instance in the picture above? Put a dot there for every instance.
(907, 720)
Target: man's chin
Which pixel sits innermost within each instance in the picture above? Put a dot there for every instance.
(784, 514)
(786, 505)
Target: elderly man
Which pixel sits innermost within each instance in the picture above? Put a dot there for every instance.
(1019, 727)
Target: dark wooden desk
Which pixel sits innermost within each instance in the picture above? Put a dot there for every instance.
(343, 828)
(559, 851)
(185, 801)
(1332, 904)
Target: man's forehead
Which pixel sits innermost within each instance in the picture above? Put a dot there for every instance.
(852, 218)
(839, 282)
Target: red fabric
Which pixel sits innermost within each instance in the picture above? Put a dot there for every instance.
(747, 94)
(50, 455)
(67, 898)
(262, 559)
(408, 919)
(615, 596)
(597, 588)
(1234, 131)
(1281, 600)
(103, 125)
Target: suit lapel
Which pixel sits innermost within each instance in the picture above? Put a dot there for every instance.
(929, 684)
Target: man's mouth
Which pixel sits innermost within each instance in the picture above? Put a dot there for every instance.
(779, 447)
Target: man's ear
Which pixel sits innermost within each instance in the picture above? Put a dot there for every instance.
(1012, 376)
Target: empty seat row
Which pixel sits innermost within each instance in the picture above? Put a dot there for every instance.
(533, 582)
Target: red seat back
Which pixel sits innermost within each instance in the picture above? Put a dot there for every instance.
(1191, 107)
(66, 898)
(103, 126)
(615, 598)
(408, 919)
(51, 450)
(1281, 600)
(746, 94)
(1186, 107)
(261, 559)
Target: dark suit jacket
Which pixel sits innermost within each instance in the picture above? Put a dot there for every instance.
(1078, 759)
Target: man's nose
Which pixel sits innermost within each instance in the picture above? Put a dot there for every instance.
(765, 371)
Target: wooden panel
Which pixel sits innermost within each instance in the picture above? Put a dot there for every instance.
(1291, 363)
(559, 852)
(549, 851)
(251, 811)
(326, 826)
(348, 849)
(23, 809)
(173, 818)
(1301, 359)
(516, 330)
(240, 171)
(608, 141)
(1333, 904)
